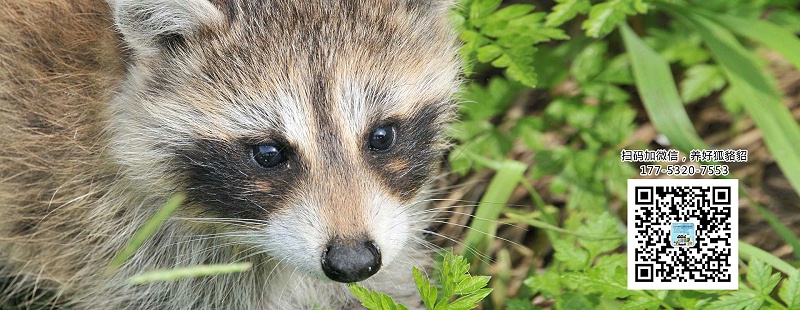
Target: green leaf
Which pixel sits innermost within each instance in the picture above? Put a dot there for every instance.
(678, 44)
(566, 10)
(701, 81)
(748, 300)
(761, 277)
(790, 292)
(574, 257)
(749, 252)
(489, 52)
(640, 302)
(548, 283)
(518, 62)
(574, 301)
(659, 95)
(519, 304)
(762, 102)
(771, 35)
(589, 62)
(511, 12)
(374, 300)
(605, 232)
(471, 284)
(426, 289)
(470, 301)
(604, 17)
(480, 9)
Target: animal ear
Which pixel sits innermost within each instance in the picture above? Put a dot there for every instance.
(151, 25)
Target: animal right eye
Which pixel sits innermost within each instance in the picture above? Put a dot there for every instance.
(268, 156)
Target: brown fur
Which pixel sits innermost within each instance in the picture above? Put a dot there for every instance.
(59, 63)
(99, 130)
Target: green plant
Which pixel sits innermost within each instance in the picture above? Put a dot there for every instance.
(595, 64)
(454, 280)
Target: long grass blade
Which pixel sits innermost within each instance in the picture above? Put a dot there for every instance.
(764, 32)
(658, 93)
(508, 176)
(188, 272)
(145, 232)
(748, 252)
(763, 103)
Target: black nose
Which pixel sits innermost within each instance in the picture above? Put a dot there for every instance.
(349, 262)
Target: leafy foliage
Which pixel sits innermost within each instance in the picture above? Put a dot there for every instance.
(590, 108)
(454, 280)
(504, 37)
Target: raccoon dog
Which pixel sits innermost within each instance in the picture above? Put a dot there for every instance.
(304, 134)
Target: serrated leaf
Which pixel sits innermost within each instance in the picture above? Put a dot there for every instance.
(701, 81)
(428, 292)
(760, 276)
(471, 284)
(469, 301)
(566, 10)
(640, 302)
(480, 9)
(518, 62)
(604, 226)
(748, 300)
(574, 257)
(790, 292)
(589, 62)
(574, 301)
(489, 52)
(519, 304)
(549, 283)
(604, 17)
(511, 12)
(610, 281)
(374, 300)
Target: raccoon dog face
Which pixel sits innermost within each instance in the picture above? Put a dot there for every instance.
(316, 123)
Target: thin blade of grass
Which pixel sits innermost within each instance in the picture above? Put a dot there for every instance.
(748, 252)
(145, 232)
(763, 103)
(773, 221)
(484, 225)
(188, 272)
(658, 93)
(769, 34)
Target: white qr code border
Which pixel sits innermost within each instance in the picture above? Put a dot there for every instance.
(646, 267)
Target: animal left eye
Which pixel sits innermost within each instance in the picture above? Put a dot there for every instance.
(382, 138)
(268, 156)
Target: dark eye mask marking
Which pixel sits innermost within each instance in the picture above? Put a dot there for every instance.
(412, 159)
(223, 178)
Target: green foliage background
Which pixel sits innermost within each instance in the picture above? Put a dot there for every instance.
(604, 69)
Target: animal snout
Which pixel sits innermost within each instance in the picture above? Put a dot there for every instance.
(350, 261)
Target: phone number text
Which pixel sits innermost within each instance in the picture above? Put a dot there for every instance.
(684, 170)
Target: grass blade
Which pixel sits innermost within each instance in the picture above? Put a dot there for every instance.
(658, 92)
(484, 225)
(763, 103)
(748, 252)
(769, 34)
(188, 272)
(145, 232)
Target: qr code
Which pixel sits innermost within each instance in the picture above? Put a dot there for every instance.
(683, 234)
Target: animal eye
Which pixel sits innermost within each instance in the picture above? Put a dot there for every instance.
(382, 138)
(268, 156)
